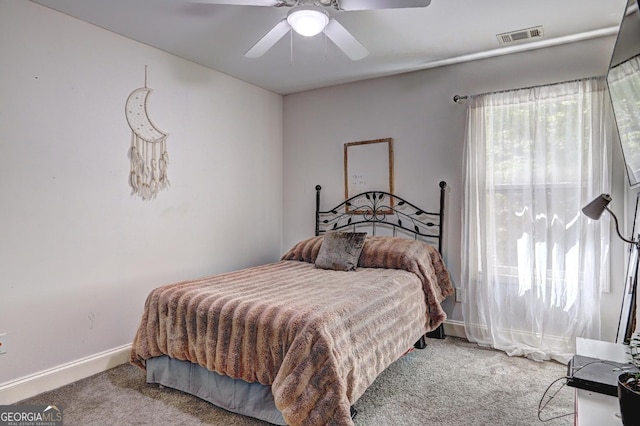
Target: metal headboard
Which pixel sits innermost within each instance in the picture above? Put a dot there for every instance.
(373, 208)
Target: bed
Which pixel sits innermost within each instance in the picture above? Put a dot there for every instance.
(298, 341)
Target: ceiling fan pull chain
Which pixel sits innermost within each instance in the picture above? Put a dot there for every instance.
(291, 47)
(325, 44)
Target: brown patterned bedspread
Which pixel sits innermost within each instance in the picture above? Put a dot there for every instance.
(318, 337)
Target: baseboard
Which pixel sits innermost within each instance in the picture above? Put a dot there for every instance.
(454, 328)
(26, 387)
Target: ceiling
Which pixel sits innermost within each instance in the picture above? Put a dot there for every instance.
(399, 40)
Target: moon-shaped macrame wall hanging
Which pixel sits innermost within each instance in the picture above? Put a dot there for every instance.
(149, 158)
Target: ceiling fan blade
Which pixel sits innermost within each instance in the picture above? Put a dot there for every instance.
(271, 38)
(241, 2)
(345, 41)
(381, 4)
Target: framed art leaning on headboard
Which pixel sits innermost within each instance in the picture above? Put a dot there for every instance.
(368, 166)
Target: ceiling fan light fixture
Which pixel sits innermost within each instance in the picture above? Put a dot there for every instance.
(308, 20)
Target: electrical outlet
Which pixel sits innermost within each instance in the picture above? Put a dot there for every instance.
(460, 296)
(3, 343)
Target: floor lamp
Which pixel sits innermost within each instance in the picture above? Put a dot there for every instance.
(594, 210)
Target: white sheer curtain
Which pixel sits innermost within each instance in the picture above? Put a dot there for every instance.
(533, 264)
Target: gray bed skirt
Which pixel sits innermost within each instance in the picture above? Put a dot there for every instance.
(238, 396)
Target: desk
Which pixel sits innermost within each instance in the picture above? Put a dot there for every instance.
(596, 409)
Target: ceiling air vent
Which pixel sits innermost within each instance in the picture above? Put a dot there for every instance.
(528, 34)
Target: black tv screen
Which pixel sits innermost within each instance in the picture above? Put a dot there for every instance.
(623, 80)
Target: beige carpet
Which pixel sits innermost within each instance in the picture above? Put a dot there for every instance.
(451, 382)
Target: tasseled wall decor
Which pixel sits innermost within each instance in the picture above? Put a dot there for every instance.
(149, 158)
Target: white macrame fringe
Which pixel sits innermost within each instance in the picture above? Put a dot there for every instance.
(149, 161)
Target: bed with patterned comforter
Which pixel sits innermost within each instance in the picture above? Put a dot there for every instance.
(317, 337)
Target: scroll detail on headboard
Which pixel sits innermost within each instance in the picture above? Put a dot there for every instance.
(382, 209)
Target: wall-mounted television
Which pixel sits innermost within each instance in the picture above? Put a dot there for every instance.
(623, 80)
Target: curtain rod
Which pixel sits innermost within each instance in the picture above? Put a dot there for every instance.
(459, 99)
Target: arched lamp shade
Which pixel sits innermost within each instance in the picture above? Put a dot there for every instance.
(595, 208)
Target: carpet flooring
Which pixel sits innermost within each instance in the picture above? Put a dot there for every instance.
(449, 383)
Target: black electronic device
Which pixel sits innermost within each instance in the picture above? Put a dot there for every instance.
(596, 375)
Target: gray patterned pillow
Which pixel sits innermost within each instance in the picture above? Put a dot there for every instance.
(340, 251)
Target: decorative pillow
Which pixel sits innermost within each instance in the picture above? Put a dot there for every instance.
(340, 251)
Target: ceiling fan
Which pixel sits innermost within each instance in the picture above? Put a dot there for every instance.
(311, 17)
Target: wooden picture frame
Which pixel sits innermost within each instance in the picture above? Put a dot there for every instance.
(368, 166)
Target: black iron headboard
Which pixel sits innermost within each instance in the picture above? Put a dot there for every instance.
(373, 208)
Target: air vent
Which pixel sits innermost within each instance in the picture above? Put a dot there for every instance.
(528, 34)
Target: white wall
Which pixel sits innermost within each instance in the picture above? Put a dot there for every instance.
(416, 109)
(78, 253)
